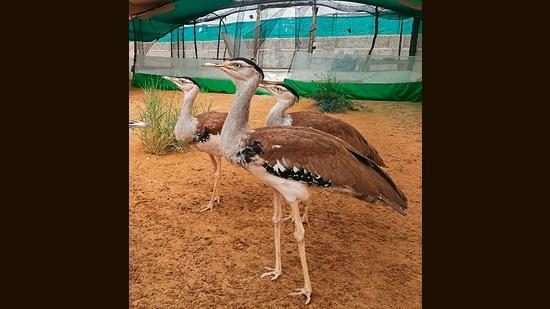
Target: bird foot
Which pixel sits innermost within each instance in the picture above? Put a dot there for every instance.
(210, 205)
(291, 219)
(304, 292)
(288, 218)
(272, 272)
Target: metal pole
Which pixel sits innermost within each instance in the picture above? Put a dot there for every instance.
(313, 27)
(219, 34)
(256, 34)
(400, 36)
(195, 38)
(375, 30)
(414, 36)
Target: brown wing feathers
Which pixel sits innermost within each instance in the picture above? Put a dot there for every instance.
(211, 120)
(332, 163)
(337, 127)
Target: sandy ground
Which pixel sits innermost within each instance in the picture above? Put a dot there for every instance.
(359, 255)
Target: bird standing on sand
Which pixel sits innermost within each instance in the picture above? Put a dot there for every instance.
(201, 131)
(290, 159)
(287, 97)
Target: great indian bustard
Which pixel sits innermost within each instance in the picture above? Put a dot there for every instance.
(290, 159)
(138, 124)
(287, 97)
(201, 131)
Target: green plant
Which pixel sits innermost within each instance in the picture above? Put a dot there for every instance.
(162, 117)
(330, 99)
(199, 107)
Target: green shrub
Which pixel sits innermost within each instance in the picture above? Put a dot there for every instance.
(330, 99)
(159, 138)
(199, 107)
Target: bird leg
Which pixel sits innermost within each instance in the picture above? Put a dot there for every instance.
(299, 236)
(304, 216)
(217, 165)
(277, 215)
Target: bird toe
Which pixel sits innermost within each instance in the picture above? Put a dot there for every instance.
(272, 272)
(288, 218)
(208, 207)
(304, 292)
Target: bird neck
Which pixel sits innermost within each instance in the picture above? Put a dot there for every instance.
(236, 123)
(187, 107)
(276, 114)
(187, 123)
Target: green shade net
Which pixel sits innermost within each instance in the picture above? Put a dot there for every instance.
(409, 92)
(146, 25)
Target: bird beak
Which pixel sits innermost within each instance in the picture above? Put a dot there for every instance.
(173, 80)
(138, 124)
(212, 65)
(269, 82)
(265, 86)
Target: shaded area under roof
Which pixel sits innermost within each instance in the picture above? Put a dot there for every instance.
(152, 19)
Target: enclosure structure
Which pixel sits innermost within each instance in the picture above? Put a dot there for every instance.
(370, 52)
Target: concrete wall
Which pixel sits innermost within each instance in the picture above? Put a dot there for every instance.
(277, 53)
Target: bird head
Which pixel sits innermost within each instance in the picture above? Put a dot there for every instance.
(281, 91)
(239, 69)
(184, 83)
(138, 124)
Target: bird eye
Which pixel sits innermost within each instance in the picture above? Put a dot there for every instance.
(237, 65)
